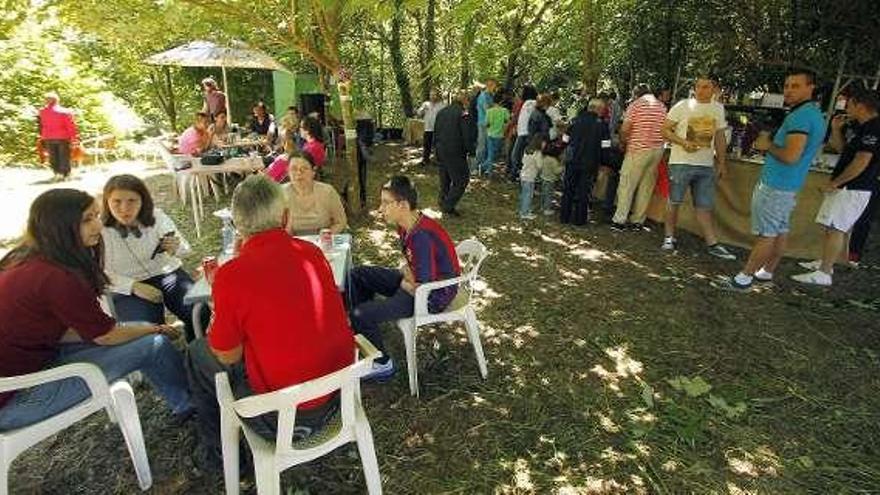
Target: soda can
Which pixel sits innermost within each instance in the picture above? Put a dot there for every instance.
(326, 239)
(209, 267)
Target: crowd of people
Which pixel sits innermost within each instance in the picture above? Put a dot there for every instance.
(630, 142)
(121, 249)
(211, 133)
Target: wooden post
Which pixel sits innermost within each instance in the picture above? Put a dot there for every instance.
(226, 91)
(351, 145)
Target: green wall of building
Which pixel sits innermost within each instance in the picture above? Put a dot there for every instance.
(289, 86)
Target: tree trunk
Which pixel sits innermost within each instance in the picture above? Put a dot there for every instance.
(430, 45)
(510, 73)
(591, 73)
(172, 106)
(423, 63)
(467, 44)
(164, 90)
(397, 62)
(344, 86)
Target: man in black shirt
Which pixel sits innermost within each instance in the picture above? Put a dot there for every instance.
(848, 192)
(453, 138)
(583, 157)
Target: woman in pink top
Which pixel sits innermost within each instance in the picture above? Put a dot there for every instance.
(277, 171)
(196, 138)
(310, 129)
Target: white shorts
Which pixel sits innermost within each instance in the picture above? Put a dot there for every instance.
(840, 209)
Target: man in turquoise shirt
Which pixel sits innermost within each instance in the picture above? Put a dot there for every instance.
(786, 166)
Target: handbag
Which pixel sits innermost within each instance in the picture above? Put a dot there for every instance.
(42, 154)
(212, 158)
(77, 153)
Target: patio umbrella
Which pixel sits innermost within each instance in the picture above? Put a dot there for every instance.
(208, 54)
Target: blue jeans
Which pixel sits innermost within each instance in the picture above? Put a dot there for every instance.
(771, 210)
(482, 134)
(516, 156)
(367, 314)
(547, 194)
(492, 149)
(701, 181)
(201, 366)
(526, 192)
(154, 355)
(174, 287)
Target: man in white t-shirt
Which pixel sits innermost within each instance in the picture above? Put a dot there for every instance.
(429, 111)
(695, 128)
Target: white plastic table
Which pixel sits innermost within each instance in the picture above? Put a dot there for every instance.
(244, 165)
(340, 262)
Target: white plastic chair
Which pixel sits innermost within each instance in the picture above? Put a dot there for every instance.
(471, 254)
(174, 163)
(117, 399)
(270, 459)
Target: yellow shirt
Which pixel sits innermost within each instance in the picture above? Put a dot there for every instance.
(310, 213)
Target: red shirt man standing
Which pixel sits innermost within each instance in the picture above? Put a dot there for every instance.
(279, 320)
(57, 133)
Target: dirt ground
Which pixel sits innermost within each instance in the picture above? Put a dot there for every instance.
(19, 187)
(613, 368)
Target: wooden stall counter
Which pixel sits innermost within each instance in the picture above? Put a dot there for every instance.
(733, 205)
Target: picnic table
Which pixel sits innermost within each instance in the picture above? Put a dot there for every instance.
(339, 258)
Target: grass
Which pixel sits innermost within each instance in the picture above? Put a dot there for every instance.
(612, 369)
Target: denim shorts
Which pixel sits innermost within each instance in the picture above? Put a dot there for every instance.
(700, 180)
(771, 210)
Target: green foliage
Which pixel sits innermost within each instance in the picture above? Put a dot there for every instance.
(37, 59)
(95, 46)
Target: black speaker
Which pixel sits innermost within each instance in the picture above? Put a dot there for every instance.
(366, 131)
(313, 103)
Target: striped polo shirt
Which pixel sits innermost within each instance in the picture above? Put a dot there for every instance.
(647, 115)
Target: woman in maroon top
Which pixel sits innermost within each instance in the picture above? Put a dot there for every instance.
(50, 315)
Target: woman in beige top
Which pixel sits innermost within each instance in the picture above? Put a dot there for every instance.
(313, 205)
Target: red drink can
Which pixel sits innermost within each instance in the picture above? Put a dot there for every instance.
(326, 239)
(209, 267)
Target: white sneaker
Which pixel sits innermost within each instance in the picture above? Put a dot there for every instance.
(763, 275)
(381, 372)
(814, 265)
(810, 265)
(528, 216)
(668, 244)
(815, 277)
(720, 251)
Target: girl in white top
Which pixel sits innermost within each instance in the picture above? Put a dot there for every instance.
(143, 249)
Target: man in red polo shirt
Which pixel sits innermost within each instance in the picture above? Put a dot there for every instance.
(278, 320)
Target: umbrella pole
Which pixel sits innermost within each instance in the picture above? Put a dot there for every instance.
(226, 90)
